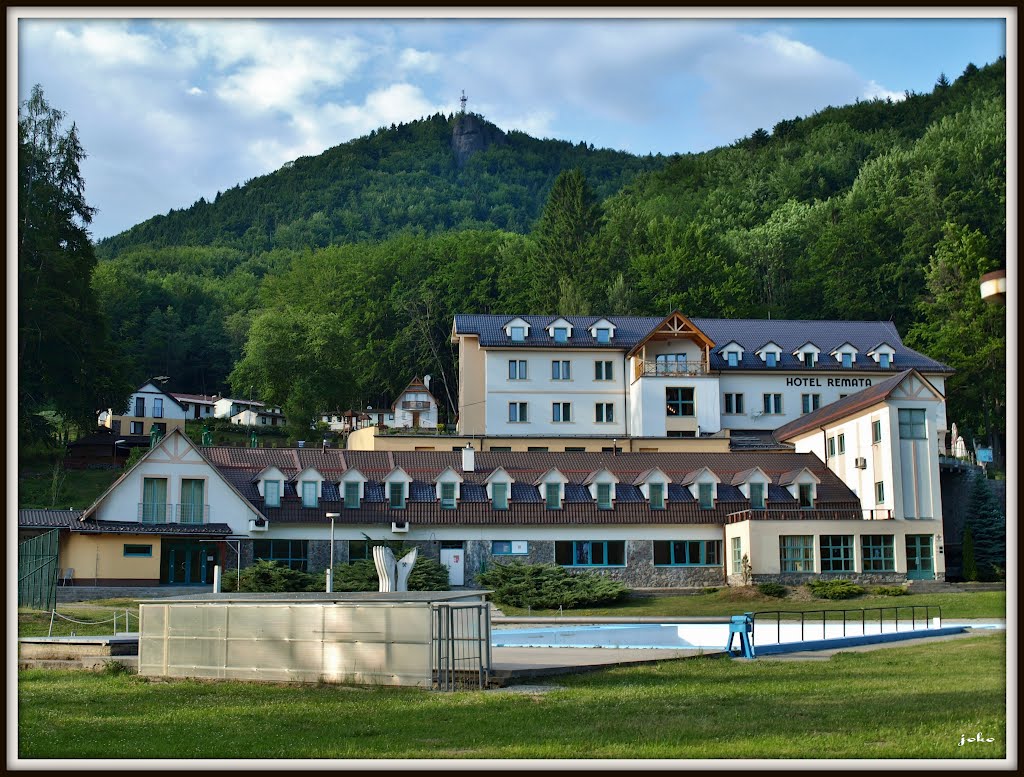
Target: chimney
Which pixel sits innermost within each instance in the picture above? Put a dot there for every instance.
(468, 458)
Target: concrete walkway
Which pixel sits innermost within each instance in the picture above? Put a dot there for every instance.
(519, 662)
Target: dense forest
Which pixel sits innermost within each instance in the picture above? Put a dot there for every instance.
(331, 282)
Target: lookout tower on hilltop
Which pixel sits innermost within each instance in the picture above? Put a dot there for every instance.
(463, 100)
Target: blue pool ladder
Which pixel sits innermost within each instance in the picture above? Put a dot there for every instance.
(743, 625)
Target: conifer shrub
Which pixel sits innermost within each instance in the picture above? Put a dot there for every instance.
(775, 590)
(896, 590)
(835, 589)
(549, 586)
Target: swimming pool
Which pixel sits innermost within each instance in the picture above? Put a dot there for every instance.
(714, 636)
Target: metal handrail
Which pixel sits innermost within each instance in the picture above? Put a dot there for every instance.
(801, 513)
(863, 617)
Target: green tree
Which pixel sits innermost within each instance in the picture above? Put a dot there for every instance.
(969, 563)
(66, 361)
(988, 528)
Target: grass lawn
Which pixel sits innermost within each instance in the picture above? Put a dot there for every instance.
(977, 604)
(34, 623)
(80, 489)
(905, 702)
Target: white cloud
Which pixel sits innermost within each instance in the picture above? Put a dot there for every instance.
(195, 90)
(107, 44)
(874, 91)
(419, 61)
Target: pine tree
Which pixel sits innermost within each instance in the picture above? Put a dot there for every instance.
(66, 362)
(969, 564)
(988, 529)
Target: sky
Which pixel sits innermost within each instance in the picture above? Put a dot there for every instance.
(171, 110)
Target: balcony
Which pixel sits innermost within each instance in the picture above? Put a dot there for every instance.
(159, 512)
(643, 369)
(810, 513)
(415, 405)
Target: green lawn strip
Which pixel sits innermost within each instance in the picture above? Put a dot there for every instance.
(81, 487)
(903, 702)
(97, 621)
(978, 604)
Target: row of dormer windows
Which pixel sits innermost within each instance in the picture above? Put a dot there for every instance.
(702, 485)
(560, 331)
(846, 355)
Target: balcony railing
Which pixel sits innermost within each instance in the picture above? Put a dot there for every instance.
(805, 513)
(669, 369)
(415, 405)
(160, 512)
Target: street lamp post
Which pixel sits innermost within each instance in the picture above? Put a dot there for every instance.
(330, 569)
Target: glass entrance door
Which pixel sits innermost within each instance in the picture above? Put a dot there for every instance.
(186, 562)
(920, 559)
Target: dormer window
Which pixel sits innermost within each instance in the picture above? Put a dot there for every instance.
(552, 496)
(351, 495)
(883, 360)
(272, 493)
(847, 360)
(603, 335)
(809, 359)
(309, 497)
(561, 334)
(604, 496)
(396, 495)
(770, 359)
(706, 495)
(732, 358)
(757, 496)
(657, 496)
(499, 493)
(602, 330)
(448, 496)
(806, 496)
(518, 334)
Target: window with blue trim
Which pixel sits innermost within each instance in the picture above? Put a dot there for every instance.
(603, 335)
(591, 553)
(561, 334)
(771, 359)
(878, 553)
(732, 358)
(309, 493)
(706, 495)
(518, 333)
(292, 553)
(138, 550)
(552, 496)
(604, 496)
(687, 553)
(876, 432)
(883, 360)
(808, 359)
(351, 496)
(796, 553)
(757, 496)
(847, 359)
(737, 555)
(837, 553)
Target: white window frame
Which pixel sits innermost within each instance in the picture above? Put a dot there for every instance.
(561, 412)
(518, 413)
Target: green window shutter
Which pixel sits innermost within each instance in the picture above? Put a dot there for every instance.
(499, 491)
(396, 494)
(448, 496)
(309, 493)
(154, 500)
(351, 496)
(272, 493)
(192, 503)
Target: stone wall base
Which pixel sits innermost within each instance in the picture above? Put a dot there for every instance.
(860, 578)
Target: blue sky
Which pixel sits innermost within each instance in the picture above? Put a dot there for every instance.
(173, 109)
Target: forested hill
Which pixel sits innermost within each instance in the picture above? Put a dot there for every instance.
(321, 294)
(406, 178)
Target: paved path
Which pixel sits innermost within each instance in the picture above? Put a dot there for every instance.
(516, 662)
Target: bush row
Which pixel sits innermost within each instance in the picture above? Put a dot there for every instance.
(549, 586)
(273, 576)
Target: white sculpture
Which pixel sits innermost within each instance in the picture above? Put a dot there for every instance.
(393, 575)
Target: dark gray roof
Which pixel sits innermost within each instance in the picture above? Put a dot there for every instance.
(70, 519)
(749, 333)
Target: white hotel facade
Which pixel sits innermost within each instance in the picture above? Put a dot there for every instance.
(628, 377)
